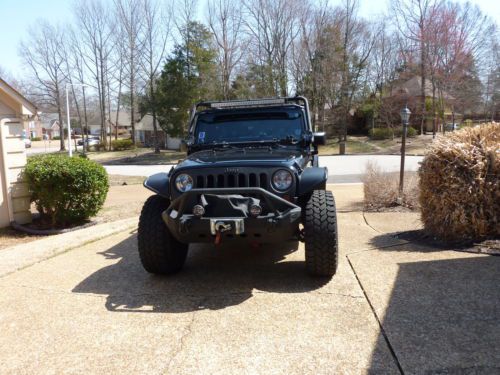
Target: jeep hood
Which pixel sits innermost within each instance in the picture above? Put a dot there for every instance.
(244, 157)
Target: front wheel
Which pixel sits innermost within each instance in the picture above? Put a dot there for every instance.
(320, 234)
(159, 251)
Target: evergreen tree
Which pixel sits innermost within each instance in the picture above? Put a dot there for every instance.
(189, 76)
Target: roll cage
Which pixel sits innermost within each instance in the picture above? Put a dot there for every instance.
(251, 103)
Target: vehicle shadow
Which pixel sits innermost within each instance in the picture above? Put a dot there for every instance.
(442, 316)
(213, 278)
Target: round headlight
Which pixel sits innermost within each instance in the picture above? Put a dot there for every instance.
(282, 180)
(184, 182)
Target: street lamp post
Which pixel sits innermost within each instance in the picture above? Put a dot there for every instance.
(405, 118)
(70, 150)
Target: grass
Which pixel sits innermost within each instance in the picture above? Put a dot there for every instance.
(138, 156)
(365, 145)
(354, 145)
(118, 180)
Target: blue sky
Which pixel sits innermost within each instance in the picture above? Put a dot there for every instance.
(18, 15)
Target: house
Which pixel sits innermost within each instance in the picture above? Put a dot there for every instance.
(34, 128)
(144, 133)
(15, 114)
(49, 123)
(409, 91)
(123, 125)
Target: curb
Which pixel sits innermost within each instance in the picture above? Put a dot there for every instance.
(21, 256)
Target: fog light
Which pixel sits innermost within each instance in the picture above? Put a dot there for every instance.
(198, 210)
(255, 210)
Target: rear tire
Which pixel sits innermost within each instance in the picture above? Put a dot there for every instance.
(320, 234)
(159, 251)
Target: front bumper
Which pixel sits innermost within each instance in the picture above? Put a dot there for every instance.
(278, 221)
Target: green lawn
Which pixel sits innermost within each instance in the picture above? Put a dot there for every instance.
(138, 156)
(364, 145)
(354, 146)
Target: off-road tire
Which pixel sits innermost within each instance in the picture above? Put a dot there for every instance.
(159, 251)
(320, 234)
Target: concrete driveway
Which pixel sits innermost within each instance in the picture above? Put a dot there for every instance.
(393, 307)
(341, 168)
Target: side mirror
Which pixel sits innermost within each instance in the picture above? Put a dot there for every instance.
(319, 138)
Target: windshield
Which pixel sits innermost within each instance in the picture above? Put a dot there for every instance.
(214, 128)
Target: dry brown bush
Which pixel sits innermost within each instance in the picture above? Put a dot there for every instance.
(459, 185)
(381, 189)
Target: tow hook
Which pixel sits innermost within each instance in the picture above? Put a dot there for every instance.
(220, 227)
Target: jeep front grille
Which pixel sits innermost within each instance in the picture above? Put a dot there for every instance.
(228, 180)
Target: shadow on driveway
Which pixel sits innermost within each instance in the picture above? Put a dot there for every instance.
(443, 315)
(213, 278)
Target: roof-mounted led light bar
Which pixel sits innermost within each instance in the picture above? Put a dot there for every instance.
(247, 103)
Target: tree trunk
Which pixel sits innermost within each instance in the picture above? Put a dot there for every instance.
(132, 88)
(61, 126)
(85, 134)
(153, 110)
(434, 121)
(422, 83)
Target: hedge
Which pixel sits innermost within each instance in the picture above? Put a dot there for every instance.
(460, 185)
(66, 190)
(122, 144)
(35, 139)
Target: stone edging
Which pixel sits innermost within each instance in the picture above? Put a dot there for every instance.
(48, 232)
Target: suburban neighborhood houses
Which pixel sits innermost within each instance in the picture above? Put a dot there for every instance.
(250, 187)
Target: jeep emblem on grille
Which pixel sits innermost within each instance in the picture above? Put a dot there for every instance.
(231, 171)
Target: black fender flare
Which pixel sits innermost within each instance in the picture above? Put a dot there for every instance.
(158, 183)
(312, 178)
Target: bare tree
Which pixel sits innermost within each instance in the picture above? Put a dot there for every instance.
(273, 26)
(156, 33)
(314, 57)
(43, 58)
(357, 44)
(129, 14)
(76, 68)
(225, 20)
(96, 31)
(411, 17)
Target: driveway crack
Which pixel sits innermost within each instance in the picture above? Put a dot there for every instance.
(367, 223)
(182, 342)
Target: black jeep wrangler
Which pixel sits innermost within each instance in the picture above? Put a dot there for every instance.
(251, 175)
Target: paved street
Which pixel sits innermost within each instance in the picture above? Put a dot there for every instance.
(254, 311)
(341, 168)
(47, 146)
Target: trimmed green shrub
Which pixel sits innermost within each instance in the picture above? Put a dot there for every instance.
(122, 144)
(460, 185)
(410, 133)
(35, 139)
(66, 190)
(380, 133)
(56, 138)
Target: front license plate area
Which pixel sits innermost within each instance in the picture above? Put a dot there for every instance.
(227, 225)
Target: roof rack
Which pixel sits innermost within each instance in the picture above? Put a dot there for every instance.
(247, 103)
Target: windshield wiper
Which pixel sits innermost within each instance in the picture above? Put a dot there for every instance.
(288, 140)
